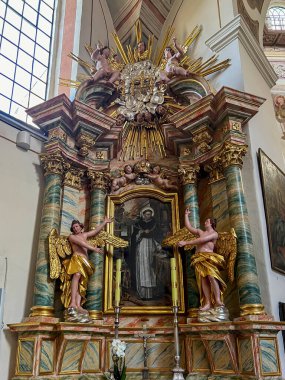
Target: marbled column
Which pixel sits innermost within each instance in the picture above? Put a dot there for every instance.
(189, 179)
(247, 280)
(99, 182)
(43, 303)
(70, 199)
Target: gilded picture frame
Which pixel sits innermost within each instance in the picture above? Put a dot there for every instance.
(273, 186)
(146, 289)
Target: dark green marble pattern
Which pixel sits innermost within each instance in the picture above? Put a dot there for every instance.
(249, 292)
(95, 285)
(44, 286)
(191, 201)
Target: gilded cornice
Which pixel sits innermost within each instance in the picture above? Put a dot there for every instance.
(188, 174)
(54, 163)
(99, 180)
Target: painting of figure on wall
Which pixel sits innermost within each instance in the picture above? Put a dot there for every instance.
(273, 186)
(144, 222)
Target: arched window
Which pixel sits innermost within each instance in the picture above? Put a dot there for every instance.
(25, 42)
(275, 18)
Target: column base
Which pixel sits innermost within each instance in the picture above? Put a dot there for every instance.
(42, 311)
(252, 309)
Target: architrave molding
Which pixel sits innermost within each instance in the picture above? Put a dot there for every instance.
(238, 29)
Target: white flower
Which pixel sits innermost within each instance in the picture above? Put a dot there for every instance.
(118, 348)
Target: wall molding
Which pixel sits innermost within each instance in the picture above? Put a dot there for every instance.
(238, 29)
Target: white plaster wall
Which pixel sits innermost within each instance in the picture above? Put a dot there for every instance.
(20, 205)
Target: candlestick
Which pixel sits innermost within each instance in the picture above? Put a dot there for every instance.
(174, 281)
(118, 282)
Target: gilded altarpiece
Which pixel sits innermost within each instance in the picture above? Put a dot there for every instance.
(161, 148)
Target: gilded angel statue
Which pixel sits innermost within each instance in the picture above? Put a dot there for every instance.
(69, 262)
(208, 264)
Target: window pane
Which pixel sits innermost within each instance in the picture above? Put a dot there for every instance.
(13, 18)
(41, 55)
(6, 86)
(33, 3)
(38, 87)
(5, 104)
(34, 100)
(40, 71)
(43, 39)
(18, 111)
(27, 45)
(25, 60)
(9, 50)
(46, 11)
(7, 67)
(21, 95)
(11, 33)
(2, 9)
(29, 29)
(50, 3)
(23, 77)
(30, 14)
(17, 5)
(44, 25)
(1, 27)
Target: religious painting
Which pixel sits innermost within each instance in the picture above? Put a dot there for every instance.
(273, 186)
(143, 218)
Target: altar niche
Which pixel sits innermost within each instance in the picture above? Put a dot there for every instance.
(143, 217)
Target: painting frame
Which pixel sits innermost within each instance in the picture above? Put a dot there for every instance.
(116, 200)
(273, 183)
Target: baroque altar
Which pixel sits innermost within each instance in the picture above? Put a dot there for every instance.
(158, 142)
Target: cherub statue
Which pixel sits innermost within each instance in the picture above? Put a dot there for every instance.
(172, 63)
(163, 183)
(75, 270)
(104, 70)
(208, 264)
(126, 178)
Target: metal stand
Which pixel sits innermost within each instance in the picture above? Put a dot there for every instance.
(177, 370)
(116, 323)
(145, 371)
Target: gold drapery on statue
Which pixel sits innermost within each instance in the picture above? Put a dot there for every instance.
(75, 264)
(208, 264)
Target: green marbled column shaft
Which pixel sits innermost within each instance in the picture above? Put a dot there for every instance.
(95, 285)
(220, 205)
(191, 201)
(44, 286)
(69, 210)
(247, 280)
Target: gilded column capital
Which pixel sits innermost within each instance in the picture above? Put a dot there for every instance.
(73, 178)
(231, 154)
(54, 163)
(215, 170)
(99, 180)
(188, 174)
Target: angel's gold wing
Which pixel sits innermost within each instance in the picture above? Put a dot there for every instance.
(59, 246)
(104, 238)
(183, 234)
(226, 246)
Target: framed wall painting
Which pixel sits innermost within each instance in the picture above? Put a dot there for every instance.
(273, 188)
(143, 217)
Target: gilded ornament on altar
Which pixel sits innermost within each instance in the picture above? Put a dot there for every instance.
(99, 180)
(73, 178)
(231, 154)
(57, 133)
(54, 163)
(189, 174)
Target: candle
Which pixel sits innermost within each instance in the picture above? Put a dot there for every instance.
(174, 282)
(118, 282)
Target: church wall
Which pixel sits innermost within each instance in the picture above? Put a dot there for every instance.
(20, 204)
